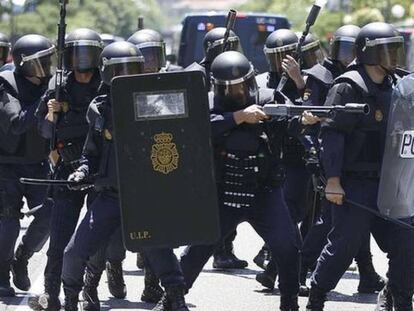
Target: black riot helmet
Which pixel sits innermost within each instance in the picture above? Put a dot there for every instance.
(278, 44)
(311, 52)
(120, 59)
(234, 81)
(82, 50)
(4, 49)
(33, 56)
(380, 44)
(343, 44)
(213, 43)
(152, 47)
(108, 38)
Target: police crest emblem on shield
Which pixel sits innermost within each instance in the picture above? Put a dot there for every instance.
(164, 153)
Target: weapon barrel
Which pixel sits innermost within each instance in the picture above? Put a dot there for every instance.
(140, 22)
(310, 21)
(59, 69)
(313, 15)
(320, 111)
(356, 108)
(231, 19)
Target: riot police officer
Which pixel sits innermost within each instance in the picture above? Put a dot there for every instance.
(247, 149)
(213, 45)
(23, 153)
(351, 157)
(103, 217)
(279, 49)
(4, 49)
(80, 85)
(319, 80)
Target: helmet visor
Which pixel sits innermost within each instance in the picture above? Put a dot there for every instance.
(238, 94)
(312, 54)
(391, 55)
(41, 64)
(154, 55)
(343, 50)
(82, 55)
(217, 47)
(275, 56)
(121, 67)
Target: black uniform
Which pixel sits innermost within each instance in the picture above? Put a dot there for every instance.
(23, 153)
(352, 150)
(71, 131)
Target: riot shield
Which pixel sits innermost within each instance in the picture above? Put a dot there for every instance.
(396, 191)
(164, 160)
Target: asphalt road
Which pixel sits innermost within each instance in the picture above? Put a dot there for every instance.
(214, 290)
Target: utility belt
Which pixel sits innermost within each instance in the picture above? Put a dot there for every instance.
(375, 175)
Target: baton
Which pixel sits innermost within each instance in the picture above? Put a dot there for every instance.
(49, 182)
(373, 211)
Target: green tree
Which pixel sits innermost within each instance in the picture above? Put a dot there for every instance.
(105, 16)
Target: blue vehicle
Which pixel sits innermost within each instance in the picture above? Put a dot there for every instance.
(252, 29)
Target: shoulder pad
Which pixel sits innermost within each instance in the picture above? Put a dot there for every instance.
(262, 80)
(95, 109)
(172, 68)
(320, 73)
(8, 80)
(266, 95)
(195, 67)
(354, 78)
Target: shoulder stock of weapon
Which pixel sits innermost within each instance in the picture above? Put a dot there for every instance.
(231, 19)
(320, 111)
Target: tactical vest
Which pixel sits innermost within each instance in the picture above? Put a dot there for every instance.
(243, 166)
(72, 128)
(29, 147)
(368, 139)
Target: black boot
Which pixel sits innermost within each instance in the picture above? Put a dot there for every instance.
(224, 257)
(49, 300)
(303, 288)
(317, 298)
(369, 281)
(45, 302)
(263, 257)
(289, 303)
(19, 268)
(5, 289)
(71, 302)
(90, 291)
(402, 300)
(384, 300)
(152, 291)
(172, 300)
(116, 283)
(268, 277)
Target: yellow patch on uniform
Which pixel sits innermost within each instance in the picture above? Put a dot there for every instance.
(307, 94)
(379, 116)
(107, 134)
(65, 107)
